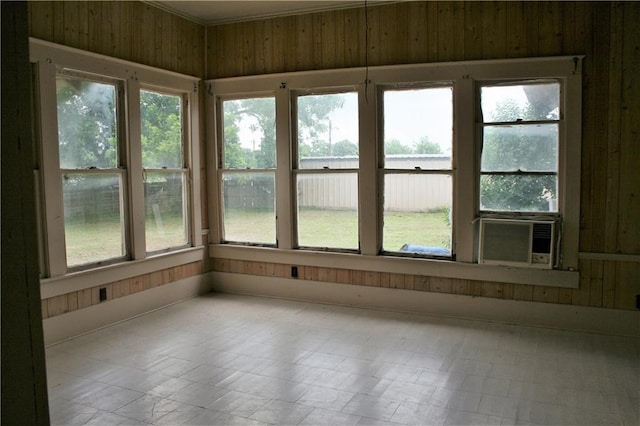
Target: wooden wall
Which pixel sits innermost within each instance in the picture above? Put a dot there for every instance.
(129, 30)
(413, 32)
(58, 305)
(137, 32)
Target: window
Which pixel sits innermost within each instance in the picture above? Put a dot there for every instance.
(114, 168)
(406, 163)
(520, 136)
(165, 172)
(247, 170)
(418, 184)
(93, 172)
(327, 170)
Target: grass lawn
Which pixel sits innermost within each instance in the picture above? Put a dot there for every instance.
(93, 242)
(339, 228)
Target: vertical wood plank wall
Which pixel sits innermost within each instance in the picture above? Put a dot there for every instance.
(137, 32)
(413, 32)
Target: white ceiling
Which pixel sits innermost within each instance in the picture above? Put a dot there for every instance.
(211, 12)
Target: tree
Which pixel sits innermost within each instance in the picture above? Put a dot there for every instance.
(314, 126)
(394, 147)
(87, 130)
(258, 116)
(345, 148)
(161, 125)
(519, 149)
(425, 146)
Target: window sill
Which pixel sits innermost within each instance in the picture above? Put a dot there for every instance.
(75, 281)
(427, 267)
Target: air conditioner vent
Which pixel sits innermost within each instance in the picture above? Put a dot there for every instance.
(516, 242)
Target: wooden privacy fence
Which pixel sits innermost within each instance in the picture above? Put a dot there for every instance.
(339, 191)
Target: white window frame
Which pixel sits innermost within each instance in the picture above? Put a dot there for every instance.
(184, 170)
(465, 77)
(384, 171)
(48, 59)
(221, 169)
(298, 171)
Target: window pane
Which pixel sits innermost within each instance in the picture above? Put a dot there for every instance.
(249, 207)
(87, 131)
(527, 102)
(328, 131)
(417, 213)
(93, 217)
(418, 128)
(161, 130)
(249, 133)
(328, 210)
(532, 147)
(519, 193)
(166, 218)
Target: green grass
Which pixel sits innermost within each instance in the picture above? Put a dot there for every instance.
(339, 228)
(95, 242)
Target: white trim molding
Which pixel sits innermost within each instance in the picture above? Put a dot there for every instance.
(73, 324)
(548, 315)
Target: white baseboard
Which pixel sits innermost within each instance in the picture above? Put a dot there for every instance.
(76, 323)
(579, 318)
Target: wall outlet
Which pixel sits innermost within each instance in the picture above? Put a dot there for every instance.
(294, 271)
(102, 294)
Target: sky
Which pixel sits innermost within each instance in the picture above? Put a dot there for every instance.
(409, 115)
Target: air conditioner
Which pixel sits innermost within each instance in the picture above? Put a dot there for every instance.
(517, 242)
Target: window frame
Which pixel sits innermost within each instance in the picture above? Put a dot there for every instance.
(465, 168)
(482, 124)
(299, 171)
(48, 60)
(184, 170)
(384, 171)
(221, 170)
(121, 165)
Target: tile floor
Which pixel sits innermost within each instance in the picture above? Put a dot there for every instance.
(225, 359)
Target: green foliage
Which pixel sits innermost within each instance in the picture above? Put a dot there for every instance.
(260, 114)
(87, 129)
(395, 147)
(518, 148)
(425, 146)
(344, 148)
(161, 121)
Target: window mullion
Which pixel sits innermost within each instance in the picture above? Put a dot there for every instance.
(368, 183)
(465, 166)
(285, 223)
(135, 196)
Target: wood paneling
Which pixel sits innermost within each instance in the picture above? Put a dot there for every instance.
(129, 30)
(413, 32)
(64, 303)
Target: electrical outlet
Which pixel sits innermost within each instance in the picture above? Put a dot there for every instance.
(294, 271)
(102, 294)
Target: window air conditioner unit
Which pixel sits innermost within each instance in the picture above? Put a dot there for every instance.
(517, 242)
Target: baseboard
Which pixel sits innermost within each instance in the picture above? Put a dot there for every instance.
(578, 318)
(76, 323)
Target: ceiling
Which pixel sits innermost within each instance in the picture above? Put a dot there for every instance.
(211, 12)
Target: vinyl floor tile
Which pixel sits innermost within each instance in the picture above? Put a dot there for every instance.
(240, 360)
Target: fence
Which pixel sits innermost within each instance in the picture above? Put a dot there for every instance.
(403, 192)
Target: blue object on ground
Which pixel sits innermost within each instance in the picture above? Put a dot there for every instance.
(436, 251)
